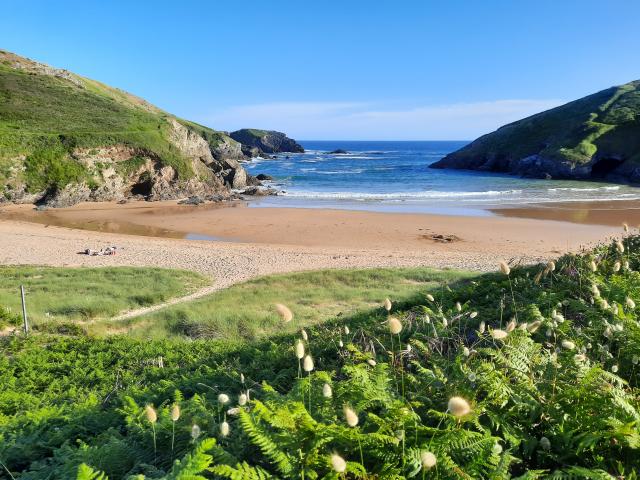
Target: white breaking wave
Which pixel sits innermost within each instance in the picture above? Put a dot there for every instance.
(397, 195)
(576, 189)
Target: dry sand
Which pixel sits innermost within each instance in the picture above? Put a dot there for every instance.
(272, 240)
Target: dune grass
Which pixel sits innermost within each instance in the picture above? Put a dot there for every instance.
(56, 296)
(246, 311)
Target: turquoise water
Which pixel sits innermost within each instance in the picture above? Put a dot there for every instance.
(395, 176)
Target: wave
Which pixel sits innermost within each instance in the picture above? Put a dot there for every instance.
(396, 195)
(576, 189)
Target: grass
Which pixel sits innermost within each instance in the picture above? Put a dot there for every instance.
(57, 297)
(246, 311)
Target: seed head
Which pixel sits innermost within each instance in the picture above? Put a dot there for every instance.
(224, 428)
(511, 326)
(473, 314)
(150, 413)
(242, 378)
(458, 307)
(307, 364)
(534, 326)
(195, 431)
(387, 304)
(504, 268)
(340, 343)
(466, 352)
(430, 297)
(625, 227)
(545, 443)
(305, 337)
(285, 314)
(617, 266)
(346, 330)
(372, 362)
(242, 399)
(223, 399)
(337, 463)
(497, 449)
(175, 413)
(568, 345)
(459, 407)
(482, 327)
(498, 334)
(350, 416)
(326, 391)
(630, 303)
(428, 460)
(551, 266)
(614, 368)
(593, 266)
(620, 246)
(395, 326)
(299, 349)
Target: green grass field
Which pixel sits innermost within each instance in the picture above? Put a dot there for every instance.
(56, 296)
(246, 311)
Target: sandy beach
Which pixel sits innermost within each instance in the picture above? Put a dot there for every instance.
(241, 243)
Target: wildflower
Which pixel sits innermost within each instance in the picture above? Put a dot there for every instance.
(223, 399)
(371, 362)
(299, 350)
(307, 364)
(568, 344)
(346, 330)
(504, 268)
(616, 267)
(430, 297)
(233, 411)
(545, 443)
(614, 309)
(557, 316)
(284, 312)
(620, 246)
(242, 399)
(395, 326)
(551, 266)
(427, 319)
(473, 314)
(445, 323)
(630, 303)
(175, 413)
(497, 449)
(533, 327)
(242, 378)
(326, 391)
(482, 327)
(595, 290)
(387, 304)
(458, 307)
(580, 357)
(150, 413)
(459, 407)
(350, 416)
(428, 460)
(625, 264)
(340, 343)
(466, 352)
(593, 266)
(337, 463)
(511, 326)
(305, 337)
(498, 334)
(195, 431)
(224, 428)
(614, 368)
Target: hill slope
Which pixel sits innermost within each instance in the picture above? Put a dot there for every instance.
(65, 138)
(595, 137)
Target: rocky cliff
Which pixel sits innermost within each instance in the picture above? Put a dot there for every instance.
(256, 142)
(66, 139)
(595, 137)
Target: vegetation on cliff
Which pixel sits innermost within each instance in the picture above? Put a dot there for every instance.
(256, 142)
(597, 136)
(531, 372)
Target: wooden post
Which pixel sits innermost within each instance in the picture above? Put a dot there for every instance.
(24, 311)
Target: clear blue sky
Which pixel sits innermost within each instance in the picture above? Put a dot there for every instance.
(339, 69)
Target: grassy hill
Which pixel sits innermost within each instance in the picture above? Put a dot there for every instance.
(597, 136)
(57, 129)
(527, 373)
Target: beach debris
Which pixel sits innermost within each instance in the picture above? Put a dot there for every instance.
(442, 238)
(103, 251)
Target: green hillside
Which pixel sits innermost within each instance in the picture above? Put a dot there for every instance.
(48, 116)
(597, 136)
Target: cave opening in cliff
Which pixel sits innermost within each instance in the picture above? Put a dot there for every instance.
(142, 187)
(604, 167)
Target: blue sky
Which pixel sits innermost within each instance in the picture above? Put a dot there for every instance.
(339, 69)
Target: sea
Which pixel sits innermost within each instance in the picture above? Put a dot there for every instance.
(394, 176)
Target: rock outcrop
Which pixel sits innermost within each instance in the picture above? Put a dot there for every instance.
(595, 137)
(256, 142)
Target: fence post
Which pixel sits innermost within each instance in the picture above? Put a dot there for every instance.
(24, 311)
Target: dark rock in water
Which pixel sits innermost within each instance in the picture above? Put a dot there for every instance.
(263, 176)
(596, 137)
(195, 200)
(253, 181)
(266, 141)
(339, 151)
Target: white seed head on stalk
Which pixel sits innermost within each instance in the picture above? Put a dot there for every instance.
(224, 429)
(223, 399)
(511, 326)
(350, 416)
(482, 327)
(504, 268)
(299, 349)
(459, 407)
(430, 297)
(445, 323)
(568, 345)
(340, 343)
(395, 326)
(195, 431)
(458, 307)
(387, 304)
(285, 314)
(326, 391)
(305, 337)
(498, 334)
(428, 460)
(346, 330)
(150, 413)
(614, 368)
(473, 314)
(372, 362)
(630, 303)
(307, 364)
(551, 266)
(593, 266)
(466, 352)
(534, 326)
(175, 413)
(625, 227)
(617, 266)
(242, 399)
(338, 463)
(620, 246)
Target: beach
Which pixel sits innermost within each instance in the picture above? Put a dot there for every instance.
(234, 243)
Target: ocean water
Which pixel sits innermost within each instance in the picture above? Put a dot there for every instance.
(395, 176)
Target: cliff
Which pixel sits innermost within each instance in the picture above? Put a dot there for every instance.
(595, 137)
(256, 142)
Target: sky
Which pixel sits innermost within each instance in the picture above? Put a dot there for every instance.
(350, 69)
